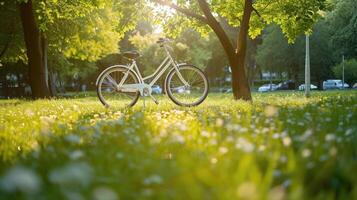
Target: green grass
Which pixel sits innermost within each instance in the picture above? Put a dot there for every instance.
(282, 146)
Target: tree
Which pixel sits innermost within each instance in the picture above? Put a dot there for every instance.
(11, 42)
(350, 71)
(79, 30)
(35, 53)
(343, 27)
(277, 55)
(293, 16)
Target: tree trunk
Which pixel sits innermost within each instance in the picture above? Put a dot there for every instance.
(240, 84)
(50, 80)
(44, 45)
(37, 70)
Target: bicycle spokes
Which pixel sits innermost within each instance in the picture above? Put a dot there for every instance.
(109, 92)
(191, 94)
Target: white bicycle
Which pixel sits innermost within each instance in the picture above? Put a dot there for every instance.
(186, 85)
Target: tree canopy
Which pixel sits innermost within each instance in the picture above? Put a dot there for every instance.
(343, 26)
(295, 17)
(83, 30)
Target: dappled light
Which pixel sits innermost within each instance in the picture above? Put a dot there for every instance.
(178, 99)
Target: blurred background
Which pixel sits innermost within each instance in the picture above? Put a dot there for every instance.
(79, 48)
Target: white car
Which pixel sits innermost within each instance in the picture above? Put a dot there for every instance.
(312, 87)
(267, 87)
(334, 84)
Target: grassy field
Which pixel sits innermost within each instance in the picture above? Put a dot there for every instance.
(282, 146)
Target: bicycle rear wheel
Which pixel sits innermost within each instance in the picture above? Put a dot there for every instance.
(193, 94)
(107, 92)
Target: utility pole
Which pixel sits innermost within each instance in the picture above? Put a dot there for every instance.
(307, 67)
(343, 71)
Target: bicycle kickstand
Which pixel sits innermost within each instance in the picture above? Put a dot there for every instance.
(144, 101)
(155, 100)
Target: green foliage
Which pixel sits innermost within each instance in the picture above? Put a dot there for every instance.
(275, 54)
(152, 54)
(11, 37)
(295, 17)
(282, 146)
(350, 71)
(176, 24)
(188, 47)
(81, 30)
(84, 30)
(343, 26)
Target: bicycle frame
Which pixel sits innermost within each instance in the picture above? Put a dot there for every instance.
(166, 63)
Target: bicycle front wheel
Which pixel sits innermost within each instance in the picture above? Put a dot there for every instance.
(192, 94)
(107, 92)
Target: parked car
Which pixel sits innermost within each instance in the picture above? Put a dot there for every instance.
(267, 87)
(156, 89)
(355, 86)
(287, 85)
(334, 84)
(224, 89)
(312, 87)
(229, 90)
(181, 89)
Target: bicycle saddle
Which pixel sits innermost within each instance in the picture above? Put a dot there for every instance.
(161, 41)
(131, 54)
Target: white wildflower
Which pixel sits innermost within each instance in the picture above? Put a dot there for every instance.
(270, 111)
(247, 190)
(330, 137)
(262, 148)
(348, 132)
(223, 150)
(179, 138)
(230, 138)
(306, 153)
(75, 139)
(104, 193)
(276, 135)
(244, 145)
(219, 122)
(153, 179)
(21, 179)
(277, 193)
(205, 134)
(308, 133)
(75, 155)
(286, 141)
(214, 160)
(119, 155)
(213, 142)
(72, 174)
